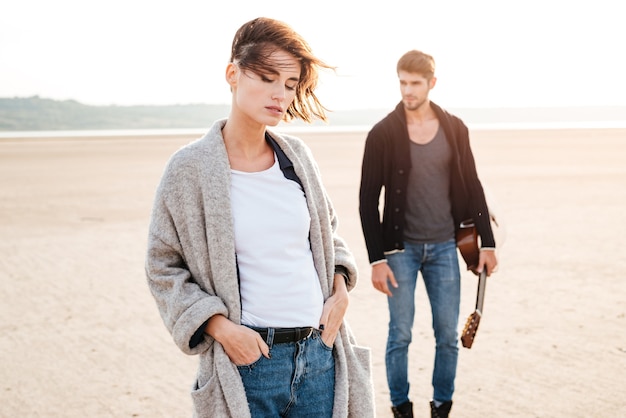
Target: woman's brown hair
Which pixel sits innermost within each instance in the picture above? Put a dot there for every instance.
(252, 46)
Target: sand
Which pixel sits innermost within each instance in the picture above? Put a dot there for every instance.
(80, 335)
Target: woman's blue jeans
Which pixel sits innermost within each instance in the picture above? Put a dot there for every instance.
(439, 266)
(297, 381)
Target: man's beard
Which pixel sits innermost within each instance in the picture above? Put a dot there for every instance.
(414, 105)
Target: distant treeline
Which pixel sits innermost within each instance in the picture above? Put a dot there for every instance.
(41, 114)
(36, 113)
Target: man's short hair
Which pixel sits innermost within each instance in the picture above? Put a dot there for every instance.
(417, 62)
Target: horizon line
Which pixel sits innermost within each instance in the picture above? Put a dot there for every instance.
(502, 126)
(342, 109)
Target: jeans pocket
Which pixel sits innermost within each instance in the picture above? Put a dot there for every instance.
(251, 366)
(323, 344)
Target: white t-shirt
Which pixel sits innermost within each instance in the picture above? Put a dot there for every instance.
(278, 282)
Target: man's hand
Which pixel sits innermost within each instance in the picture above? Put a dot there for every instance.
(487, 259)
(382, 276)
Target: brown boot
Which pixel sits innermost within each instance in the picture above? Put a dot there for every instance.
(404, 410)
(442, 411)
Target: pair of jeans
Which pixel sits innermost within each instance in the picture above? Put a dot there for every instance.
(297, 381)
(439, 266)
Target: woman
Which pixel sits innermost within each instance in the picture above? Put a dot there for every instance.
(243, 257)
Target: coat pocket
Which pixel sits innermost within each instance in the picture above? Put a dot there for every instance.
(208, 400)
(361, 395)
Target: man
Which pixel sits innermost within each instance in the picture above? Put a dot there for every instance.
(420, 154)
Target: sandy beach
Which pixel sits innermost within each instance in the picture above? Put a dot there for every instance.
(80, 335)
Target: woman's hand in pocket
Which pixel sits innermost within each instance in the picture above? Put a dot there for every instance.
(242, 344)
(334, 310)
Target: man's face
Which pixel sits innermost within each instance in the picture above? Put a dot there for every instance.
(414, 88)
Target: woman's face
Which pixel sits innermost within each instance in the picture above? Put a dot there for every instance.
(265, 97)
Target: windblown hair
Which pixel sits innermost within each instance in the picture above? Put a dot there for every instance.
(252, 46)
(417, 62)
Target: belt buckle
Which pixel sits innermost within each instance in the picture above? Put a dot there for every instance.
(301, 334)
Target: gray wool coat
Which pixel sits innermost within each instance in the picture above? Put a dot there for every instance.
(192, 272)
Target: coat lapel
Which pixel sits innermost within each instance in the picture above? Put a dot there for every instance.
(316, 202)
(214, 175)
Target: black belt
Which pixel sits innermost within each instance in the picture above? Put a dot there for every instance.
(286, 335)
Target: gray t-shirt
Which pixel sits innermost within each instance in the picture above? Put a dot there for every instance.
(428, 217)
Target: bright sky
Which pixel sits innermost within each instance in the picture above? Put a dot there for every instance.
(488, 52)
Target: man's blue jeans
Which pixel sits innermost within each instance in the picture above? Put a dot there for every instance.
(439, 266)
(297, 381)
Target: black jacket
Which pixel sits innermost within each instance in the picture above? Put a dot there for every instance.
(386, 163)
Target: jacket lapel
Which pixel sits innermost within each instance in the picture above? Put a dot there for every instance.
(214, 178)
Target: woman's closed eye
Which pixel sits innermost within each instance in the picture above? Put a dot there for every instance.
(291, 86)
